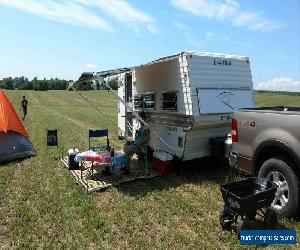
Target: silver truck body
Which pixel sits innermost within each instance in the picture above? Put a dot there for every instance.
(269, 126)
(267, 144)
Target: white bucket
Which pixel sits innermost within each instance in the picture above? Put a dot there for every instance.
(73, 151)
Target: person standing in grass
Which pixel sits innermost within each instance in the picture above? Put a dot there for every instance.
(24, 105)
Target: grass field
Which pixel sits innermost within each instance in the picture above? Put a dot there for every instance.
(41, 206)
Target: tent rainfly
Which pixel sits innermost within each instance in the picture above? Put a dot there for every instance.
(14, 142)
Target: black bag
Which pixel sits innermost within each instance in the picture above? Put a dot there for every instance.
(52, 137)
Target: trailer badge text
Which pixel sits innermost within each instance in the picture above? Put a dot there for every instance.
(220, 61)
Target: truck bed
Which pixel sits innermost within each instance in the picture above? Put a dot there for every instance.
(276, 109)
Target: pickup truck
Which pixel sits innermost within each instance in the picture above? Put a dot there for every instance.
(266, 143)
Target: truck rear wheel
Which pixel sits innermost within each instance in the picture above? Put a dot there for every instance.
(286, 202)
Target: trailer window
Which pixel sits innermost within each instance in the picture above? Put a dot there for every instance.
(138, 101)
(169, 101)
(149, 101)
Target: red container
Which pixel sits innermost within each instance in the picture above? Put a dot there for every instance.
(162, 167)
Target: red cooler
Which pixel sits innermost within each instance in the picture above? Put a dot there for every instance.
(162, 162)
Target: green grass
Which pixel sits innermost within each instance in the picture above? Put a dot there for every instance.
(41, 206)
(273, 99)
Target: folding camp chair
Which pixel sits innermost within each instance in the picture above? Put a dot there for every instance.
(96, 134)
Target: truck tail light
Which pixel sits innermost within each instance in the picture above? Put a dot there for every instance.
(234, 130)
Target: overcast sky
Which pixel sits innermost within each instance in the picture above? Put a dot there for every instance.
(48, 38)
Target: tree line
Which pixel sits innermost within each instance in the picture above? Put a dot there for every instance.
(278, 92)
(23, 83)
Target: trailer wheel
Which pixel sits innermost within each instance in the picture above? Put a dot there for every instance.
(286, 202)
(226, 219)
(270, 219)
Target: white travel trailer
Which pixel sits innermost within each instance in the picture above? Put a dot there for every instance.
(188, 98)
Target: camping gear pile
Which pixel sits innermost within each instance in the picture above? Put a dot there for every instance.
(94, 156)
(101, 167)
(115, 161)
(14, 139)
(246, 199)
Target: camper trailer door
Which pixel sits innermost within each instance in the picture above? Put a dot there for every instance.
(223, 100)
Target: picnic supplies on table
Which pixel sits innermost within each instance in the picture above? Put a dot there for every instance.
(245, 199)
(100, 157)
(103, 157)
(94, 156)
(101, 182)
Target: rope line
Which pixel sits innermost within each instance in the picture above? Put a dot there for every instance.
(134, 113)
(97, 109)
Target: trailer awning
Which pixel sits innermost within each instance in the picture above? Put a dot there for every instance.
(91, 76)
(107, 73)
(160, 60)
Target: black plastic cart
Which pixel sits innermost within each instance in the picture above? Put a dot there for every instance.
(245, 199)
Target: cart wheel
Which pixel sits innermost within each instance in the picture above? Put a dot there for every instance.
(226, 219)
(245, 224)
(270, 219)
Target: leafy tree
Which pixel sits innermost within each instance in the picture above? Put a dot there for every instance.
(43, 85)
(23, 83)
(18, 82)
(7, 83)
(113, 83)
(97, 82)
(35, 85)
(85, 86)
